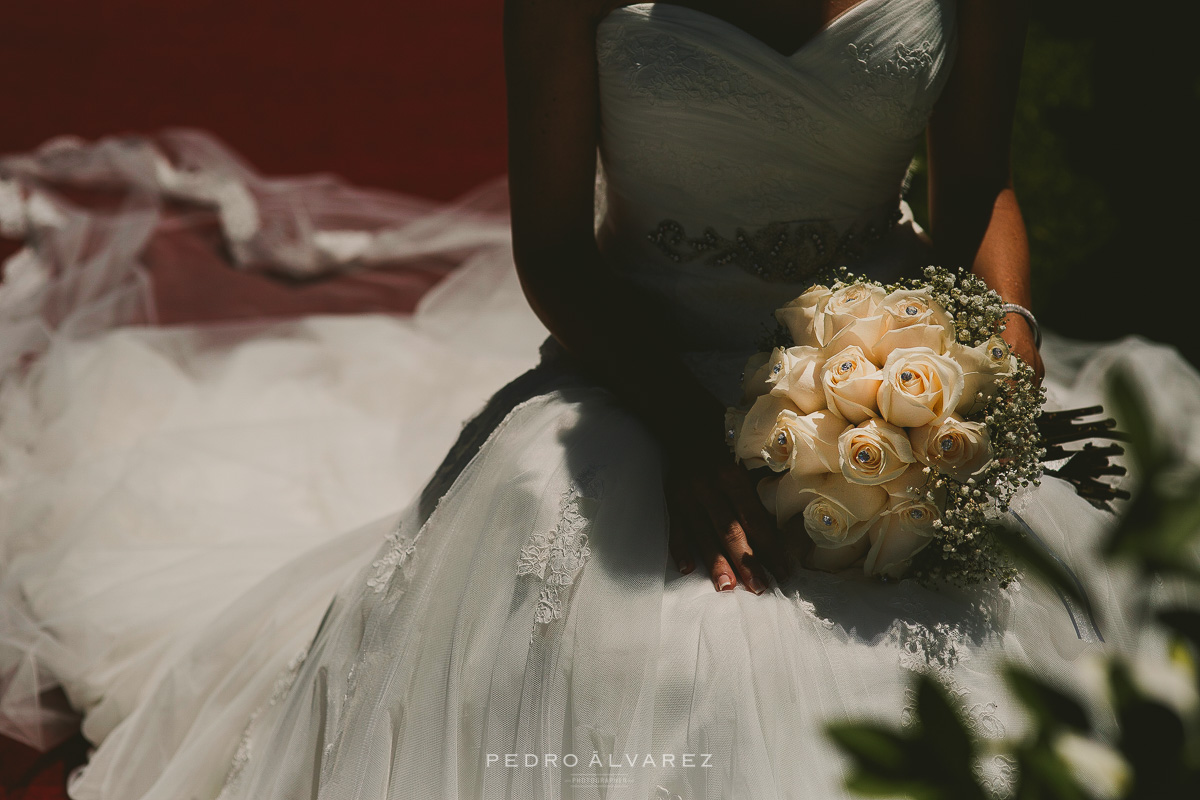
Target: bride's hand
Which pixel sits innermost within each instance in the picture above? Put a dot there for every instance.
(714, 509)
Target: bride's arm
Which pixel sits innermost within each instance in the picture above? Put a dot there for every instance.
(973, 211)
(614, 332)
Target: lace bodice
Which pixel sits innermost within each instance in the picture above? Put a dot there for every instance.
(733, 173)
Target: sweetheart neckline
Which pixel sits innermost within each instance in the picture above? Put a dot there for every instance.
(803, 48)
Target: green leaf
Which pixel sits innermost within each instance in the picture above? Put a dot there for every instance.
(1152, 736)
(1043, 775)
(1051, 708)
(872, 786)
(1184, 622)
(875, 748)
(1134, 420)
(1157, 531)
(943, 733)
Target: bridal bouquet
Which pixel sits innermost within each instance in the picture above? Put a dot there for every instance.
(896, 425)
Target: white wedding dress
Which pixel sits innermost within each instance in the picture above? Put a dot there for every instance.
(181, 505)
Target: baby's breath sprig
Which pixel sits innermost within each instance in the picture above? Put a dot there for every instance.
(976, 308)
(968, 552)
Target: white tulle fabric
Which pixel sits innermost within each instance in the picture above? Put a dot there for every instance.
(182, 505)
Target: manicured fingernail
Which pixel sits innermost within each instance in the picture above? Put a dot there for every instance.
(686, 566)
(723, 583)
(756, 585)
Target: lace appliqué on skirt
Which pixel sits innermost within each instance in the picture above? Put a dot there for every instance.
(557, 556)
(398, 549)
(936, 649)
(283, 683)
(784, 252)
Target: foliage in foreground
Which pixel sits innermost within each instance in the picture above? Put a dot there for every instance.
(1065, 755)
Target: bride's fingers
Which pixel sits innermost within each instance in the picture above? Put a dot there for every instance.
(719, 571)
(759, 524)
(732, 540)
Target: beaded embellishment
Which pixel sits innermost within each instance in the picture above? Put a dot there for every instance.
(784, 252)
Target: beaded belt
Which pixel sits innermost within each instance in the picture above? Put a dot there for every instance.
(784, 252)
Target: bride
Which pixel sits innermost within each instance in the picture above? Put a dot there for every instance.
(587, 599)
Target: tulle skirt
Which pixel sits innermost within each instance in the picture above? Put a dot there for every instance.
(223, 543)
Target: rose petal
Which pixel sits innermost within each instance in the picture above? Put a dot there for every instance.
(854, 399)
(801, 380)
(759, 425)
(908, 485)
(864, 502)
(768, 491)
(754, 382)
(902, 410)
(793, 494)
(892, 543)
(859, 299)
(834, 559)
(816, 449)
(804, 317)
(932, 337)
(862, 332)
(981, 373)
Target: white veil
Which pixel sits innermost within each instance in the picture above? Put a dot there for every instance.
(267, 437)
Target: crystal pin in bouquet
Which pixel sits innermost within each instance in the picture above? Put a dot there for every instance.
(897, 426)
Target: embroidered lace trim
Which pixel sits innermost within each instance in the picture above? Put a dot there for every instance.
(884, 90)
(557, 556)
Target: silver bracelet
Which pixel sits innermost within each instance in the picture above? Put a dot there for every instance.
(1013, 308)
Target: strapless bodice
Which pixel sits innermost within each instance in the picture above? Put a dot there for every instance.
(733, 173)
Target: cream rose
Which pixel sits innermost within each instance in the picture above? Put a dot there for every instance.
(851, 383)
(918, 387)
(852, 317)
(836, 559)
(874, 453)
(781, 494)
(799, 378)
(757, 429)
(954, 446)
(805, 317)
(913, 319)
(983, 368)
(855, 300)
(806, 445)
(837, 513)
(898, 534)
(861, 332)
(755, 373)
(848, 506)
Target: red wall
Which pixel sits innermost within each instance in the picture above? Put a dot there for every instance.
(404, 95)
